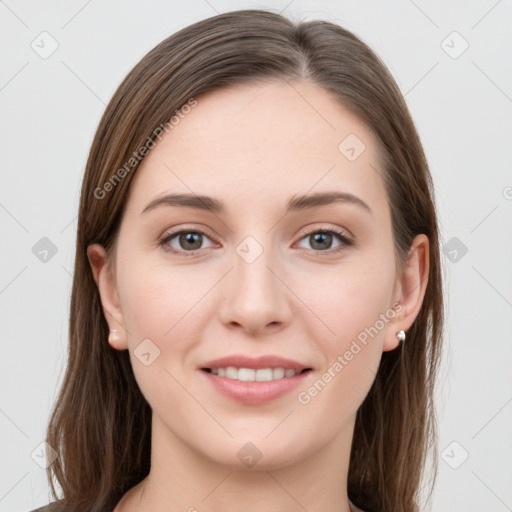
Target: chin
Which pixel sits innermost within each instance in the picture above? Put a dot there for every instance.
(259, 454)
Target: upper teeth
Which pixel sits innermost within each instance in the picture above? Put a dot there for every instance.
(250, 374)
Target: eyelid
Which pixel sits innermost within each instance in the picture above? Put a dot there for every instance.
(346, 241)
(169, 235)
(342, 232)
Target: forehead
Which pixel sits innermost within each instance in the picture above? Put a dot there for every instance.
(266, 142)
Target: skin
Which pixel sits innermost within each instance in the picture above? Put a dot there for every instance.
(254, 146)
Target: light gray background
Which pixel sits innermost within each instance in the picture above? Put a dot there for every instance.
(462, 106)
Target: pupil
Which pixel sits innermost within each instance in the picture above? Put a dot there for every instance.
(321, 237)
(190, 238)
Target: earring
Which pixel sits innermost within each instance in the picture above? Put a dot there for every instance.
(113, 336)
(401, 336)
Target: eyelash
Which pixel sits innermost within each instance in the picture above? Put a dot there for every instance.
(346, 242)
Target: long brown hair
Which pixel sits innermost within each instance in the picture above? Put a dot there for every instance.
(101, 423)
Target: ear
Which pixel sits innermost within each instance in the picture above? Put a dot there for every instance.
(409, 291)
(105, 280)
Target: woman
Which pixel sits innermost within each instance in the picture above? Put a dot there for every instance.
(257, 307)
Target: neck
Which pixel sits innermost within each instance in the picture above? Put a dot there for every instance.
(183, 479)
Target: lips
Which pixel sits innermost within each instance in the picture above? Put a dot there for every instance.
(255, 392)
(256, 363)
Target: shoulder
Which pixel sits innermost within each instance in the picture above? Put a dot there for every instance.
(51, 507)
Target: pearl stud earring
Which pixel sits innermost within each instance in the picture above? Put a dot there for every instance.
(401, 336)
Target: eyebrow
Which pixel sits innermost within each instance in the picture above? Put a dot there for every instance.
(294, 204)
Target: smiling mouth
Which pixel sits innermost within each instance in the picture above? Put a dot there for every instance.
(255, 375)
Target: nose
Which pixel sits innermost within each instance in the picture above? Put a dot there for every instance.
(256, 298)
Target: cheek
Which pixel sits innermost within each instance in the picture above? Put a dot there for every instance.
(353, 304)
(351, 356)
(164, 313)
(348, 299)
(160, 301)
(160, 318)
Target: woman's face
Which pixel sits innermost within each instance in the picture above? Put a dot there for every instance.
(254, 277)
